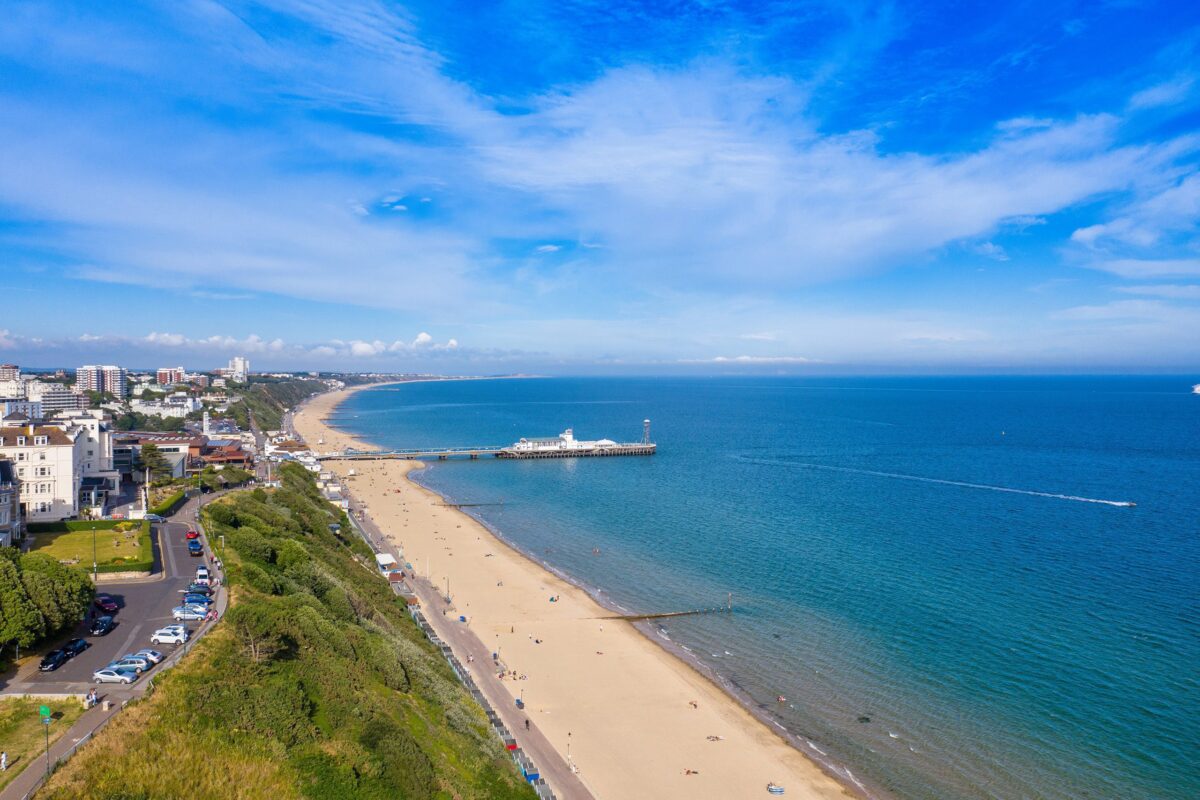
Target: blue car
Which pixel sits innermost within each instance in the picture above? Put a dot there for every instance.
(196, 600)
(195, 548)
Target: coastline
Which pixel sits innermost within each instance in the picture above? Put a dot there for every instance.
(632, 711)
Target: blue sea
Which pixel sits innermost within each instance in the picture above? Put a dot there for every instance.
(921, 566)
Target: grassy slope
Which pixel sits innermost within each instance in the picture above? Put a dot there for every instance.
(267, 398)
(317, 684)
(22, 735)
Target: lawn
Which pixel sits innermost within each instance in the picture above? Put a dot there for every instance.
(21, 731)
(116, 549)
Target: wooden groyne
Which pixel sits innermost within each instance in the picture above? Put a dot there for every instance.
(725, 609)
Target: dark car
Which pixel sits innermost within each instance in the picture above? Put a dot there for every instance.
(102, 625)
(195, 548)
(197, 588)
(106, 603)
(197, 599)
(75, 647)
(53, 660)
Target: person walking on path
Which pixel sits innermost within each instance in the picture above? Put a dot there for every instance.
(4, 761)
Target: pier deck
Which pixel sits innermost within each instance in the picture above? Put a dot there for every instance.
(442, 454)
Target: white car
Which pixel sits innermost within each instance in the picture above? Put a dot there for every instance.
(107, 675)
(202, 575)
(169, 636)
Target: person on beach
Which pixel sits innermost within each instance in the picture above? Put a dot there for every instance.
(526, 724)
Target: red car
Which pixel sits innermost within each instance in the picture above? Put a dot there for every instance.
(193, 535)
(105, 603)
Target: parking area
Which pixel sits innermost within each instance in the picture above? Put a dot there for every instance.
(144, 606)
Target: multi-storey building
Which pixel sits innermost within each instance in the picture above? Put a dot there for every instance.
(10, 505)
(239, 369)
(12, 405)
(10, 372)
(106, 378)
(48, 462)
(98, 475)
(169, 376)
(54, 397)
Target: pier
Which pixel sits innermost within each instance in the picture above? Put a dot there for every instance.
(565, 445)
(725, 609)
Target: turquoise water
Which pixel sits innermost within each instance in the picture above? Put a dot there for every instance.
(935, 635)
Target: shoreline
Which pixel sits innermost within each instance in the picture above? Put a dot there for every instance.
(663, 752)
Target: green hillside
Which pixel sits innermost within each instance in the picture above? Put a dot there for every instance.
(317, 684)
(267, 398)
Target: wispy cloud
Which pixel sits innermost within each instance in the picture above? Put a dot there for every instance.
(1166, 290)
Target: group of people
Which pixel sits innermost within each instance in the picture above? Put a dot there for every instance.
(91, 699)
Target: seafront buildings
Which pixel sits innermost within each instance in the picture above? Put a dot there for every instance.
(106, 379)
(10, 507)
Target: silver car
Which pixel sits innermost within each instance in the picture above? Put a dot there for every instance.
(108, 675)
(153, 656)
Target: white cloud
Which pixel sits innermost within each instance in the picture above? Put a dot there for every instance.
(991, 250)
(166, 339)
(6, 339)
(1118, 310)
(758, 337)
(749, 360)
(1163, 94)
(1170, 291)
(547, 248)
(1137, 268)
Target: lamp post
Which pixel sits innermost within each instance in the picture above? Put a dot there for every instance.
(95, 569)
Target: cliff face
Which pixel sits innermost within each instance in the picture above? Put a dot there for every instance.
(316, 684)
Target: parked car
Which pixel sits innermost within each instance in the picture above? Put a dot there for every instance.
(53, 660)
(197, 588)
(202, 575)
(137, 665)
(195, 548)
(108, 675)
(187, 612)
(177, 626)
(75, 647)
(168, 636)
(102, 625)
(197, 600)
(106, 603)
(193, 535)
(154, 518)
(153, 656)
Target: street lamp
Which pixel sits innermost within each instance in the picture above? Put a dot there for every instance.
(95, 569)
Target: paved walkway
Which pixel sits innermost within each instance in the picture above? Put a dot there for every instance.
(95, 718)
(567, 785)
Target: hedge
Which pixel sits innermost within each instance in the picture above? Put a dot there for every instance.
(168, 507)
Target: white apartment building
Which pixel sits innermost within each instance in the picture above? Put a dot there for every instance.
(12, 387)
(98, 476)
(107, 378)
(48, 463)
(10, 372)
(239, 369)
(10, 507)
(178, 405)
(54, 397)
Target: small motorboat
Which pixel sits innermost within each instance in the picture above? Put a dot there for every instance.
(774, 788)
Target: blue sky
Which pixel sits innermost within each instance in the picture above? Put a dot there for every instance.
(577, 186)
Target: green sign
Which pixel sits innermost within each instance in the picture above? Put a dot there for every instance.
(44, 711)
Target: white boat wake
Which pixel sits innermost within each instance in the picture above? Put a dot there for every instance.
(903, 477)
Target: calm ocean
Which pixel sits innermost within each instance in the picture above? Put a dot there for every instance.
(938, 636)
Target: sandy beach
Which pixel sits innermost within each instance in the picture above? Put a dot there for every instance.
(641, 722)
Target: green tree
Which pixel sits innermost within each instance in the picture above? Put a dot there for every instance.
(20, 619)
(61, 593)
(153, 461)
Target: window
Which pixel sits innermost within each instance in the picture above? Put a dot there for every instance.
(22, 455)
(20, 441)
(91, 452)
(41, 440)
(43, 507)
